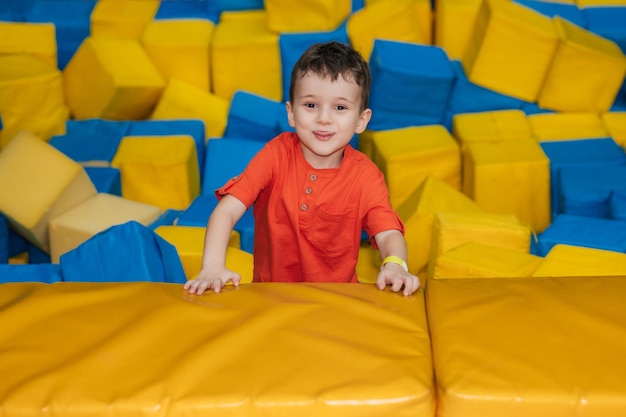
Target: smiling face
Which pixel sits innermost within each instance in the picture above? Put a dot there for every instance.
(326, 114)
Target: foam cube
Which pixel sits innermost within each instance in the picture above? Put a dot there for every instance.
(510, 177)
(418, 213)
(407, 156)
(43, 273)
(579, 52)
(37, 39)
(180, 48)
(510, 50)
(105, 179)
(314, 15)
(122, 18)
(181, 100)
(454, 24)
(490, 126)
(187, 10)
(618, 204)
(159, 170)
(477, 260)
(111, 79)
(615, 124)
(567, 126)
(254, 117)
(565, 10)
(368, 264)
(39, 183)
(82, 222)
(594, 3)
(245, 56)
(577, 261)
(608, 22)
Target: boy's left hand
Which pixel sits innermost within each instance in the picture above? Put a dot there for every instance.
(394, 275)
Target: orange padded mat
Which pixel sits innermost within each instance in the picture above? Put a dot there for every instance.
(151, 349)
(553, 347)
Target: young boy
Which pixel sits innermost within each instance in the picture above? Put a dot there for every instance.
(313, 193)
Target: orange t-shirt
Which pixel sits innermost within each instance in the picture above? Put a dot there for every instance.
(309, 222)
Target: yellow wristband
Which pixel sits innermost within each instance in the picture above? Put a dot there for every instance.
(395, 260)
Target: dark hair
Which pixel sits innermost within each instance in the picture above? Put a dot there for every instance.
(332, 59)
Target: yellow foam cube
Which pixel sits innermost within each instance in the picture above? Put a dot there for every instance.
(92, 216)
(569, 261)
(579, 52)
(477, 260)
(490, 126)
(454, 24)
(615, 124)
(587, 3)
(408, 155)
(390, 20)
(567, 126)
(180, 48)
(511, 49)
(189, 243)
(309, 16)
(39, 183)
(159, 170)
(111, 79)
(37, 39)
(31, 98)
(122, 18)
(181, 100)
(418, 213)
(368, 264)
(245, 56)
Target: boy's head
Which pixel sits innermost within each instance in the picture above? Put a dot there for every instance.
(333, 59)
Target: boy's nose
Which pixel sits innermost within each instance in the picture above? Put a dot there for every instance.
(324, 116)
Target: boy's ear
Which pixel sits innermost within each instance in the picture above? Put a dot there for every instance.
(292, 123)
(364, 119)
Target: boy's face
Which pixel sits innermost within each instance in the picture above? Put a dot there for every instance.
(326, 114)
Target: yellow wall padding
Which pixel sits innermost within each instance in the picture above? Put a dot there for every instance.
(309, 16)
(511, 177)
(32, 98)
(152, 349)
(418, 215)
(92, 216)
(39, 183)
(567, 126)
(181, 100)
(180, 48)
(477, 260)
(528, 346)
(615, 124)
(111, 79)
(570, 261)
(159, 170)
(579, 52)
(189, 243)
(396, 20)
(490, 126)
(245, 56)
(454, 24)
(511, 49)
(37, 39)
(122, 18)
(408, 155)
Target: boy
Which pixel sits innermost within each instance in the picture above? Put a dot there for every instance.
(312, 192)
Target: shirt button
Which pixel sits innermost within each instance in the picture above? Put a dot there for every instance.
(304, 207)
(308, 190)
(313, 177)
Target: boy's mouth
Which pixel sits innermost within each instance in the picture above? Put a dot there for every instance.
(323, 135)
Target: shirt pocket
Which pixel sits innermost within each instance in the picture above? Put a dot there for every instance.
(333, 234)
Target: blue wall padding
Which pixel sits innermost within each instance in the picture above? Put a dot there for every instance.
(570, 12)
(90, 140)
(254, 117)
(128, 252)
(106, 179)
(583, 231)
(44, 273)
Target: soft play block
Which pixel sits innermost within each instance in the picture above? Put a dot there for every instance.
(408, 72)
(122, 18)
(187, 10)
(312, 365)
(31, 98)
(567, 126)
(37, 39)
(564, 9)
(4, 239)
(113, 79)
(618, 204)
(159, 170)
(594, 3)
(511, 49)
(578, 261)
(490, 126)
(608, 22)
(181, 100)
(254, 117)
(189, 243)
(477, 260)
(418, 213)
(82, 222)
(454, 22)
(245, 56)
(180, 48)
(509, 177)
(579, 52)
(39, 183)
(368, 263)
(105, 179)
(528, 347)
(390, 20)
(615, 124)
(42, 273)
(313, 15)
(407, 156)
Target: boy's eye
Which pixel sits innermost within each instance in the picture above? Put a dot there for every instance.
(340, 107)
(309, 105)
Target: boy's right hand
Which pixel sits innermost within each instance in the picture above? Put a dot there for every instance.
(214, 280)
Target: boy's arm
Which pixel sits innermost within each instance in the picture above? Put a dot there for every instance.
(392, 248)
(219, 228)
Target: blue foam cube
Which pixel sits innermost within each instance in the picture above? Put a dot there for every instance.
(570, 12)
(253, 116)
(42, 273)
(105, 179)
